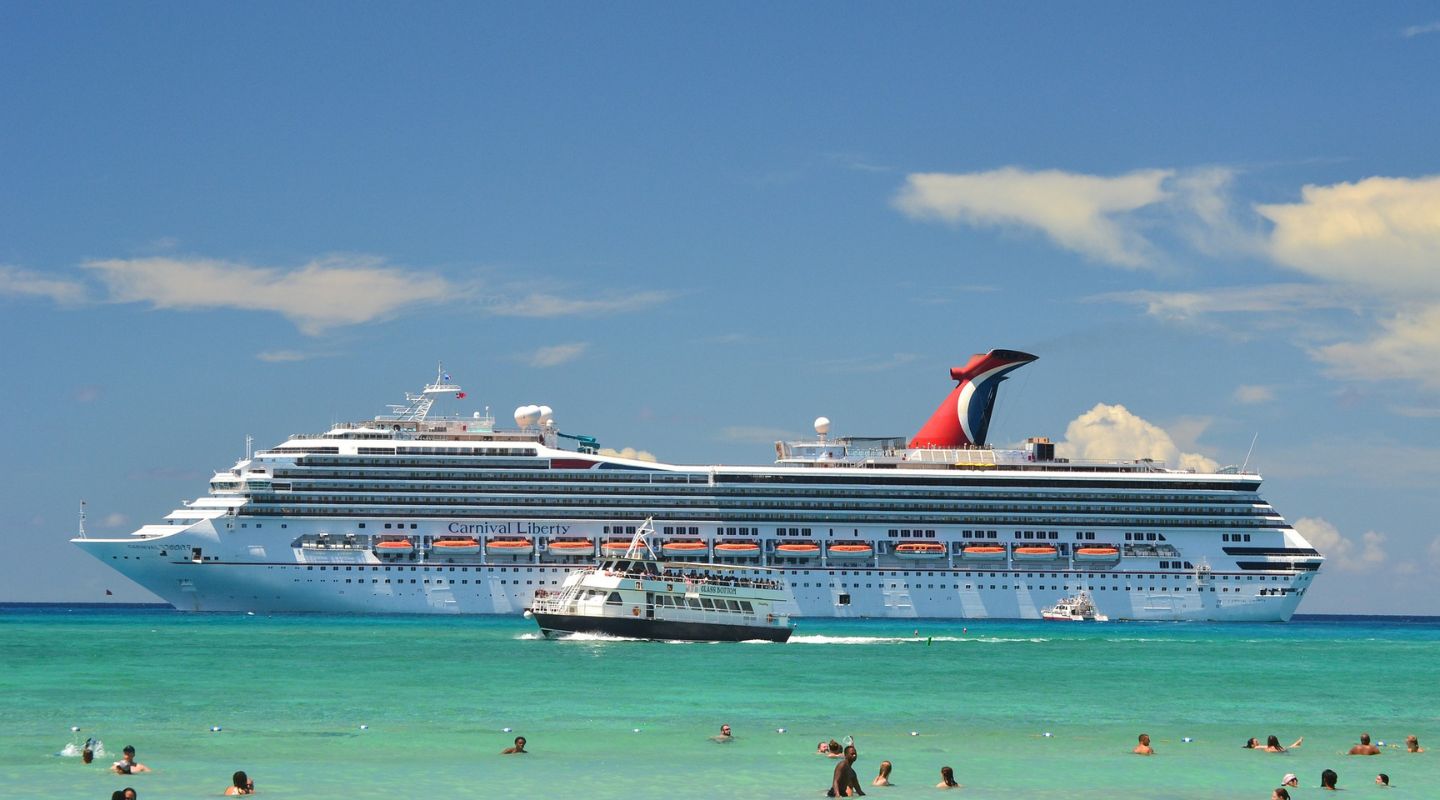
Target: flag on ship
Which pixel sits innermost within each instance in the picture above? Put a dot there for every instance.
(460, 395)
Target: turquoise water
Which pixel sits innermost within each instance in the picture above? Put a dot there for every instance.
(291, 693)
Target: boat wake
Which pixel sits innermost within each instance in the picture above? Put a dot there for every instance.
(822, 639)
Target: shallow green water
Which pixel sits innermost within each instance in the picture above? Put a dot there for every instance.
(632, 719)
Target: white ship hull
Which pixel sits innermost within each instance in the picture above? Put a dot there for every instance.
(258, 574)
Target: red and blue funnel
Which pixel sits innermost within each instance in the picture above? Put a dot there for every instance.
(964, 418)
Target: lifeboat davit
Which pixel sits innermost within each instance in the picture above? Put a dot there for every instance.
(1040, 552)
(850, 551)
(686, 549)
(737, 549)
(459, 547)
(919, 550)
(1097, 553)
(394, 546)
(572, 547)
(984, 552)
(797, 550)
(509, 547)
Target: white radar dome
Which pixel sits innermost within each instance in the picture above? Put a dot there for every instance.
(546, 412)
(822, 425)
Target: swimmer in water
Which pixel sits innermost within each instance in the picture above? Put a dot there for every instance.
(1290, 780)
(1364, 748)
(883, 779)
(1412, 744)
(240, 783)
(1272, 744)
(1144, 748)
(724, 736)
(128, 765)
(1328, 779)
(1383, 780)
(947, 779)
(518, 747)
(834, 750)
(1280, 793)
(845, 783)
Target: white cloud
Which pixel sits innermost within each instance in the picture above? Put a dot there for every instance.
(1112, 433)
(555, 355)
(1407, 346)
(628, 452)
(1340, 551)
(1252, 395)
(281, 356)
(543, 304)
(17, 282)
(1266, 298)
(1084, 213)
(1381, 234)
(754, 434)
(325, 293)
(867, 363)
(1419, 30)
(115, 520)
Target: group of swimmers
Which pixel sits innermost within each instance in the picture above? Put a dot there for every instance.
(240, 783)
(1328, 778)
(844, 782)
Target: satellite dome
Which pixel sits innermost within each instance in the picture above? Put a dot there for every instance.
(525, 416)
(822, 425)
(545, 414)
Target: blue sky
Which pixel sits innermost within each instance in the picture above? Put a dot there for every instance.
(692, 229)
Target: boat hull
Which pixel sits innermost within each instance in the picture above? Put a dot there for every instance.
(665, 630)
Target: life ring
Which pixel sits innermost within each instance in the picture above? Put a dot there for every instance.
(635, 611)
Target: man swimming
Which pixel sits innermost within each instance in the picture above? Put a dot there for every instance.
(725, 735)
(518, 747)
(1364, 748)
(128, 765)
(845, 783)
(1144, 748)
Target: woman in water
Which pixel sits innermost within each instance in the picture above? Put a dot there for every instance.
(883, 779)
(1328, 779)
(240, 783)
(947, 779)
(1272, 744)
(1412, 744)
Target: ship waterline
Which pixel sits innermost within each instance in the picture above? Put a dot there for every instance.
(410, 513)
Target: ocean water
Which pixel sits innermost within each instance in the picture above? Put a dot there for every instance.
(628, 719)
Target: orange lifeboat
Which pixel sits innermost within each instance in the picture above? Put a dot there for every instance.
(615, 547)
(919, 550)
(853, 550)
(463, 546)
(394, 546)
(572, 547)
(509, 547)
(1096, 553)
(737, 549)
(985, 552)
(1038, 552)
(690, 548)
(797, 550)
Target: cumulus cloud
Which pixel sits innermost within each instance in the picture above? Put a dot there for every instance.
(1111, 432)
(1340, 551)
(544, 305)
(1252, 395)
(322, 294)
(16, 282)
(1084, 213)
(628, 452)
(1381, 234)
(555, 355)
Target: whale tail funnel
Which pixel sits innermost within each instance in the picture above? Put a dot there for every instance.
(963, 418)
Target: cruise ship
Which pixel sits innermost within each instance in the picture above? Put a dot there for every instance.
(411, 512)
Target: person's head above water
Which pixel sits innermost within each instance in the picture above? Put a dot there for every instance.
(1328, 779)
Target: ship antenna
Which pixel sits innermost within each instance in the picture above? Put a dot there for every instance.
(81, 534)
(1251, 450)
(249, 445)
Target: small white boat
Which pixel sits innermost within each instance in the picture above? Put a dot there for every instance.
(1079, 608)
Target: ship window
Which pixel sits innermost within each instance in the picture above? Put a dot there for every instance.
(613, 599)
(361, 525)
